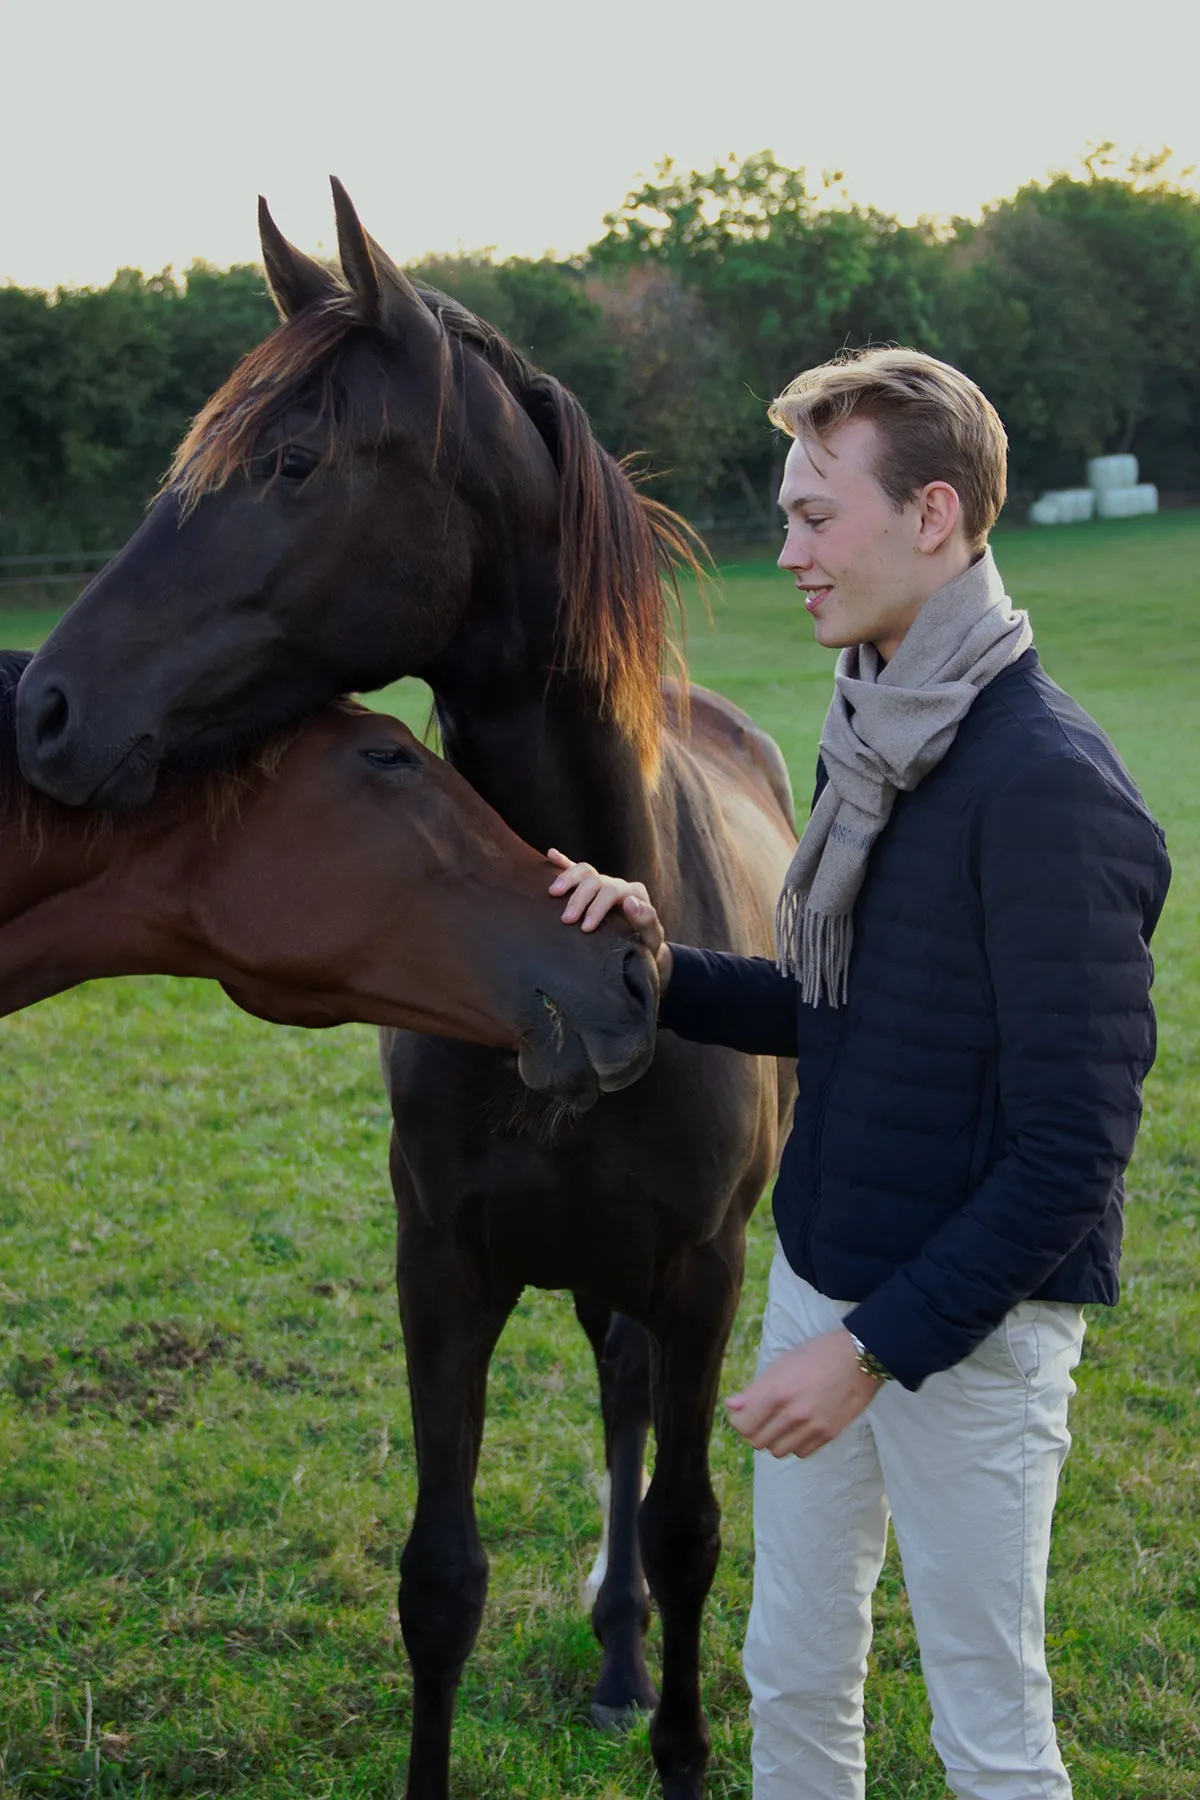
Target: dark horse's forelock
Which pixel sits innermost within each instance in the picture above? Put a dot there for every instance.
(620, 553)
(224, 435)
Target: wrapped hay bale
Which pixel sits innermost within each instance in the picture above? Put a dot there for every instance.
(1106, 472)
(1063, 506)
(1127, 502)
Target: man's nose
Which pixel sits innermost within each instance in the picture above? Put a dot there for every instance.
(794, 555)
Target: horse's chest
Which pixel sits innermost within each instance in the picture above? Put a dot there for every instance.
(593, 1202)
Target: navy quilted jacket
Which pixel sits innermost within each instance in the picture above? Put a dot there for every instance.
(963, 1123)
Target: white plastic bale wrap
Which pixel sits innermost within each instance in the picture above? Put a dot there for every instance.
(1106, 472)
(1063, 506)
(1127, 502)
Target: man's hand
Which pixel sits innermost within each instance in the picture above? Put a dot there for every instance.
(805, 1397)
(593, 896)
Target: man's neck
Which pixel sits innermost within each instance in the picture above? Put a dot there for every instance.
(959, 559)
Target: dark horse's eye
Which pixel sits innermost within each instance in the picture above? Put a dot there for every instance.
(395, 756)
(295, 462)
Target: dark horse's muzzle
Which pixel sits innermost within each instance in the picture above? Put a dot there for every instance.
(71, 763)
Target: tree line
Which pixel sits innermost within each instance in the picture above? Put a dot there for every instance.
(1075, 305)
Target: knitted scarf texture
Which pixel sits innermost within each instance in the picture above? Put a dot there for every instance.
(888, 725)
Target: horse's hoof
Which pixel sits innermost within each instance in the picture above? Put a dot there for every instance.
(617, 1718)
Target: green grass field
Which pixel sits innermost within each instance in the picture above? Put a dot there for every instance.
(205, 1454)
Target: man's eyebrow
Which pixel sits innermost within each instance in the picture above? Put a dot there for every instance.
(805, 500)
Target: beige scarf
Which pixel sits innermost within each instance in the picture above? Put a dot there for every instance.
(888, 725)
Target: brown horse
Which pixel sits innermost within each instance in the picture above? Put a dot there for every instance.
(383, 487)
(341, 873)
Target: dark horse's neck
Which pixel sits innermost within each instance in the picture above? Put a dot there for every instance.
(535, 744)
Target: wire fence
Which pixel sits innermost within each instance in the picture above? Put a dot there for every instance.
(52, 567)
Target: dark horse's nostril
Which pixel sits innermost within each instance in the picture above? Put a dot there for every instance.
(636, 972)
(52, 715)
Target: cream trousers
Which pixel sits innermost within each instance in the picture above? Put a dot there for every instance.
(968, 1471)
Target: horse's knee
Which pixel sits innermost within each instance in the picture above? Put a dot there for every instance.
(681, 1545)
(442, 1594)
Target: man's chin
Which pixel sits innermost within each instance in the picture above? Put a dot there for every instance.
(834, 637)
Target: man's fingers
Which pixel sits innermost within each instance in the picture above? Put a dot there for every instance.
(641, 914)
(586, 890)
(600, 908)
(758, 1413)
(592, 896)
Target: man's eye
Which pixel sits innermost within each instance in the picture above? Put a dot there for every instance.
(296, 462)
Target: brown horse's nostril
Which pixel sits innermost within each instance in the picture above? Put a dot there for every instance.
(635, 968)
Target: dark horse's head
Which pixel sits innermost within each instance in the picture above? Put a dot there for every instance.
(383, 474)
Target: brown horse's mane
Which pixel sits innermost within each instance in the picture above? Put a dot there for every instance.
(13, 664)
(620, 552)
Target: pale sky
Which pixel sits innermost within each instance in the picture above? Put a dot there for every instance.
(138, 132)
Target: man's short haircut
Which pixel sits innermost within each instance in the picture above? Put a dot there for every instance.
(933, 423)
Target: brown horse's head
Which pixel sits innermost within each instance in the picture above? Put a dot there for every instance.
(381, 473)
(346, 873)
(367, 880)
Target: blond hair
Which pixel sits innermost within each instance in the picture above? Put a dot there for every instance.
(934, 424)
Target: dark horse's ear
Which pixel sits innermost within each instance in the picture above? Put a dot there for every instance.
(385, 295)
(293, 278)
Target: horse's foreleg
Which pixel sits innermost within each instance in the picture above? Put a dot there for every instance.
(621, 1609)
(449, 1338)
(680, 1518)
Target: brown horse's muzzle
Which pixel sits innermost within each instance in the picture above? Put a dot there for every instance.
(579, 1046)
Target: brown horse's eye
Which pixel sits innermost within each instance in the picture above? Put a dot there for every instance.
(394, 756)
(296, 462)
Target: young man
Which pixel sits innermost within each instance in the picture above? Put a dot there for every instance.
(964, 980)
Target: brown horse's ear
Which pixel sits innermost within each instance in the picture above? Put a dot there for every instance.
(293, 278)
(385, 295)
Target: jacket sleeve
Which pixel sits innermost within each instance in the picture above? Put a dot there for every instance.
(1071, 875)
(742, 1002)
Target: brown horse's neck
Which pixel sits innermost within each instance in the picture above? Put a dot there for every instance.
(78, 902)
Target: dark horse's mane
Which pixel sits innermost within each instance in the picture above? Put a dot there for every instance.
(620, 552)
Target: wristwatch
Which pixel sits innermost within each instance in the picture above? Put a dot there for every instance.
(868, 1362)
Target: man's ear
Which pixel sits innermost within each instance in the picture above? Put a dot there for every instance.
(941, 509)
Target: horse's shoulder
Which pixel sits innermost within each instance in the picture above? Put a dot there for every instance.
(716, 731)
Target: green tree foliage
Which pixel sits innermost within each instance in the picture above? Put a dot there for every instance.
(784, 279)
(1074, 304)
(96, 387)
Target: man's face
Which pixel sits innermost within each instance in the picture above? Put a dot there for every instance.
(858, 561)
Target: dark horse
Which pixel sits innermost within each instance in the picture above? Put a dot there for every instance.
(341, 872)
(384, 487)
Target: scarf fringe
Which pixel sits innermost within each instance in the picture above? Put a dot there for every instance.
(814, 949)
